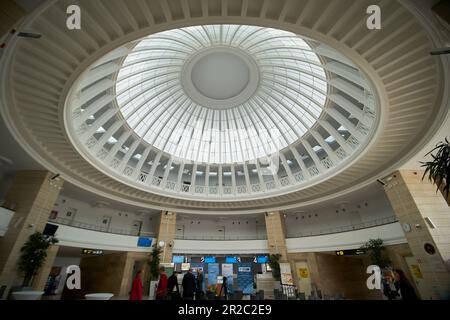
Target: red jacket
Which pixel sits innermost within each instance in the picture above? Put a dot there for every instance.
(161, 290)
(136, 289)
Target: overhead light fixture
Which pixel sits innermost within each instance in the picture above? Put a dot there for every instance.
(381, 182)
(440, 51)
(29, 35)
(55, 176)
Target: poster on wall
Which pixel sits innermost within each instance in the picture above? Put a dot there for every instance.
(286, 274)
(245, 277)
(213, 272)
(185, 266)
(227, 271)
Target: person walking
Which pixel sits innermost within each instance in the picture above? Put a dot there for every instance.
(173, 291)
(224, 289)
(136, 288)
(161, 290)
(188, 285)
(407, 291)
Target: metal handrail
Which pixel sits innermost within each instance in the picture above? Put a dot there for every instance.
(93, 227)
(220, 238)
(347, 228)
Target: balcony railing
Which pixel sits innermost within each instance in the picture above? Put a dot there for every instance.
(359, 226)
(93, 227)
(221, 237)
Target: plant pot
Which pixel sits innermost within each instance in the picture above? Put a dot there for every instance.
(27, 295)
(152, 290)
(98, 296)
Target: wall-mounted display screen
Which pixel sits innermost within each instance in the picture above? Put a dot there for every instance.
(178, 259)
(144, 242)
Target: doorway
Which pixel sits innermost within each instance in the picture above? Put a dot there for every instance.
(221, 232)
(179, 231)
(106, 222)
(136, 228)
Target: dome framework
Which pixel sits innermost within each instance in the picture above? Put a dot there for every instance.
(37, 77)
(222, 110)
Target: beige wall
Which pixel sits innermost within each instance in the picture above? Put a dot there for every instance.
(413, 200)
(346, 275)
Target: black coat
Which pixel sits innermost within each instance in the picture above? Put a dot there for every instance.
(172, 283)
(188, 285)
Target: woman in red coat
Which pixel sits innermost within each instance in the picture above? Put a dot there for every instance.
(136, 288)
(161, 290)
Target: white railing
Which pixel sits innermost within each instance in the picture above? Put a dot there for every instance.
(93, 227)
(338, 229)
(222, 237)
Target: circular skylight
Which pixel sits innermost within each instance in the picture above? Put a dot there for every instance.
(221, 93)
(222, 111)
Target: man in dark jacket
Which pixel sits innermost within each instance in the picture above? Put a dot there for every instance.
(173, 291)
(188, 285)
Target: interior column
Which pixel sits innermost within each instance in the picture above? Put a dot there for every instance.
(276, 235)
(32, 196)
(166, 233)
(425, 212)
(40, 280)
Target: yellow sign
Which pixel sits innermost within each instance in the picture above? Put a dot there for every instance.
(303, 272)
(416, 271)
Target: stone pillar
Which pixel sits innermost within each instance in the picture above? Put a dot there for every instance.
(166, 233)
(40, 280)
(32, 196)
(129, 272)
(417, 204)
(276, 238)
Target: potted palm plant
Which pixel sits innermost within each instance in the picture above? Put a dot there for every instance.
(376, 251)
(438, 169)
(274, 263)
(154, 270)
(33, 255)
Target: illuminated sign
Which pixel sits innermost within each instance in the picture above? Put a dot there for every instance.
(208, 259)
(232, 259)
(95, 252)
(354, 252)
(178, 259)
(144, 242)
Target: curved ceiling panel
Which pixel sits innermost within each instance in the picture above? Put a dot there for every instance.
(37, 76)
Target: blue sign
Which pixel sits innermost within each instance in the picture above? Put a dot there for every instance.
(245, 277)
(262, 259)
(213, 272)
(232, 259)
(144, 242)
(178, 259)
(209, 259)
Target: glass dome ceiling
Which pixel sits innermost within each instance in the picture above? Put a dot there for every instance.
(217, 111)
(221, 93)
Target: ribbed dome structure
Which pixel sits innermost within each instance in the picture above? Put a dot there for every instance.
(222, 110)
(221, 93)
